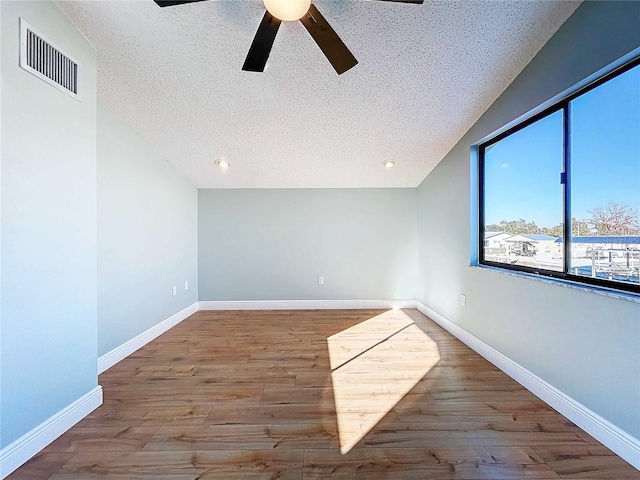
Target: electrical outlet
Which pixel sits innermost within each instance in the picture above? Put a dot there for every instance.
(463, 300)
(320, 280)
(186, 285)
(174, 291)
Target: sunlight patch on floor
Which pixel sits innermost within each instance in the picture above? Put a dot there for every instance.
(374, 365)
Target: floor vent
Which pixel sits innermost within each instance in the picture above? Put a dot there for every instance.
(47, 62)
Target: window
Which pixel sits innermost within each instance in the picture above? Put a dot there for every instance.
(560, 192)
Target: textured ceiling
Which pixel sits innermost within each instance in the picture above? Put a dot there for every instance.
(426, 73)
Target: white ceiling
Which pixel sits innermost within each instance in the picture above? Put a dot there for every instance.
(426, 73)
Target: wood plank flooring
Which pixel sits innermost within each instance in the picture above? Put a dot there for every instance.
(346, 394)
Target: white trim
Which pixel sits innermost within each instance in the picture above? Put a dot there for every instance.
(109, 359)
(17, 453)
(620, 442)
(304, 304)
(623, 444)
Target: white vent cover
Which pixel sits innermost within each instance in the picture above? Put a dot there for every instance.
(47, 62)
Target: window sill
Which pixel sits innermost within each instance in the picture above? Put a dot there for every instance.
(605, 292)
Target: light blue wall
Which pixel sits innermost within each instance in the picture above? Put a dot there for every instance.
(48, 172)
(85, 258)
(584, 344)
(274, 244)
(147, 235)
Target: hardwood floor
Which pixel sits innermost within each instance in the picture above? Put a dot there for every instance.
(347, 394)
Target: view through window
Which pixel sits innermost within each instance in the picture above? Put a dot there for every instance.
(560, 193)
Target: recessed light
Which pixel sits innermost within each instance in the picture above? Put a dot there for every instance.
(388, 164)
(222, 163)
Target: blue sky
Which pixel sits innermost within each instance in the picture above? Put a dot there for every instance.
(522, 171)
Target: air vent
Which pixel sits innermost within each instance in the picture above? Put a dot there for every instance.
(47, 62)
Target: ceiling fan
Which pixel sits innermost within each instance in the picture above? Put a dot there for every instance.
(278, 11)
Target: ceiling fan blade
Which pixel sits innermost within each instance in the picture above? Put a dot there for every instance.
(262, 43)
(171, 3)
(417, 2)
(327, 39)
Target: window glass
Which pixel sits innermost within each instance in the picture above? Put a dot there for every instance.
(528, 200)
(605, 180)
(523, 206)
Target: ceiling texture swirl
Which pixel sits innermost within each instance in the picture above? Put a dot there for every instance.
(425, 74)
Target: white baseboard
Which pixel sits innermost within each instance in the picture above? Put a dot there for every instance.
(617, 440)
(305, 304)
(20, 451)
(109, 359)
(623, 444)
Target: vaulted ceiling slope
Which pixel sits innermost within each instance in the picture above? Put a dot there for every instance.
(426, 73)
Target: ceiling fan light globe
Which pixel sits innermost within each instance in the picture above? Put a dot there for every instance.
(287, 10)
